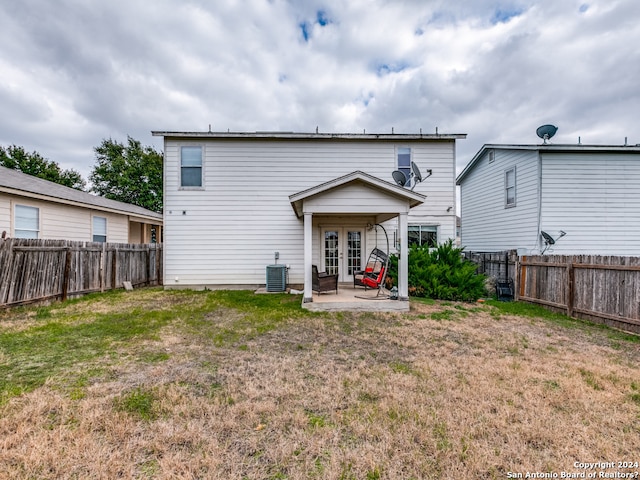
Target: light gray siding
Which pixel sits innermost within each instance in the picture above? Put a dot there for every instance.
(227, 232)
(595, 199)
(487, 223)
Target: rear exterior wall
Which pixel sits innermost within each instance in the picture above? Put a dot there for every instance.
(227, 232)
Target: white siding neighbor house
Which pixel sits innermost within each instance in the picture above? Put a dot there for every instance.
(509, 194)
(31, 207)
(232, 200)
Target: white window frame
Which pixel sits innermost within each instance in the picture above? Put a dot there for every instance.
(181, 167)
(93, 229)
(426, 228)
(492, 156)
(17, 228)
(406, 169)
(508, 187)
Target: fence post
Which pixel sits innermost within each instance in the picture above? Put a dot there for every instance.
(570, 288)
(159, 264)
(516, 281)
(102, 261)
(67, 274)
(522, 276)
(8, 272)
(149, 265)
(114, 269)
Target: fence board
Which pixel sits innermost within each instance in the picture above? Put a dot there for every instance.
(35, 270)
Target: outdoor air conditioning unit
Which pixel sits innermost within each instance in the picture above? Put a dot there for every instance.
(276, 278)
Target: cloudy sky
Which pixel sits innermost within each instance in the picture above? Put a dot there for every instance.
(73, 72)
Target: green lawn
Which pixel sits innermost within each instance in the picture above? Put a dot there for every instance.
(228, 384)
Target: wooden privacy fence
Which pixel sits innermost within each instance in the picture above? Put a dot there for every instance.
(604, 289)
(38, 270)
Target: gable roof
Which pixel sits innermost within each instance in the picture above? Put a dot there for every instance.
(548, 148)
(412, 197)
(18, 183)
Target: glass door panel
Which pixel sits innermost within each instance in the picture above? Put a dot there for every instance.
(331, 252)
(354, 252)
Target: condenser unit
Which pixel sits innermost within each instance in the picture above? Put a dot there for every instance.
(276, 278)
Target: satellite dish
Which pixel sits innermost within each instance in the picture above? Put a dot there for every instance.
(399, 177)
(545, 132)
(416, 172)
(548, 239)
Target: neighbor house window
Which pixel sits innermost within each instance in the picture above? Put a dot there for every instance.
(404, 163)
(423, 235)
(27, 222)
(510, 187)
(99, 229)
(191, 167)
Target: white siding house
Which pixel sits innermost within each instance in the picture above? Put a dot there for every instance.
(31, 207)
(589, 192)
(231, 200)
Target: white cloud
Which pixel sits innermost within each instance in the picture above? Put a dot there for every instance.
(77, 72)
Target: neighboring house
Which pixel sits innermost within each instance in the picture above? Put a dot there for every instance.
(232, 200)
(509, 194)
(31, 207)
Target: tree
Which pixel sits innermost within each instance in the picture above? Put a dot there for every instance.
(16, 158)
(129, 173)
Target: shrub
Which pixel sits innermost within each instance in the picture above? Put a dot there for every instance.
(441, 273)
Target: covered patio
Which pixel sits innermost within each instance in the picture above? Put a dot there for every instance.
(349, 298)
(357, 199)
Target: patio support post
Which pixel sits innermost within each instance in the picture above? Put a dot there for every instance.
(403, 261)
(308, 251)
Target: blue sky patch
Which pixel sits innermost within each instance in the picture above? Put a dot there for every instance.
(304, 28)
(583, 8)
(322, 18)
(504, 15)
(383, 69)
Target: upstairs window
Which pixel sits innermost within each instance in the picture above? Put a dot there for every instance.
(423, 235)
(404, 163)
(27, 222)
(99, 229)
(510, 187)
(191, 167)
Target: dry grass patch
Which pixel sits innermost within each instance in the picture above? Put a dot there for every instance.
(236, 386)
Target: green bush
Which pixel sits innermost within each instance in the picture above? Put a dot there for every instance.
(440, 273)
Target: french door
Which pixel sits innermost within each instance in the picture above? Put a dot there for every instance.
(342, 250)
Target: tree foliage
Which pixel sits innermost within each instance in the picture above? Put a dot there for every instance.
(440, 273)
(129, 173)
(16, 158)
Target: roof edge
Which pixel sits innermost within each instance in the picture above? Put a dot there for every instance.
(546, 147)
(309, 136)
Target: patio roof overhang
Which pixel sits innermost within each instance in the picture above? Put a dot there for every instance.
(356, 193)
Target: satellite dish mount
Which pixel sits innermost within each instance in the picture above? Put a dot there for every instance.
(549, 240)
(414, 174)
(545, 132)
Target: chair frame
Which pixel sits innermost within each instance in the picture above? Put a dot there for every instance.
(323, 282)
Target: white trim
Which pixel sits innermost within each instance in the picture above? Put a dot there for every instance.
(106, 228)
(14, 205)
(202, 166)
(413, 198)
(507, 187)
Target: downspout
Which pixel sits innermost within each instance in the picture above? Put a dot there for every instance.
(538, 244)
